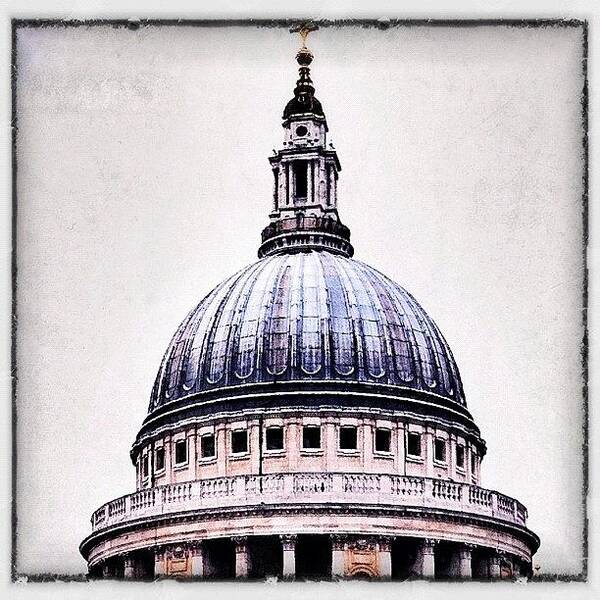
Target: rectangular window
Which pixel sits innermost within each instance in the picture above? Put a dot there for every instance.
(274, 438)
(460, 457)
(413, 443)
(439, 450)
(160, 459)
(348, 438)
(239, 441)
(207, 446)
(311, 437)
(301, 178)
(383, 440)
(145, 466)
(180, 452)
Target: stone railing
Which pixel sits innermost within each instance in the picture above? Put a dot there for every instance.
(310, 488)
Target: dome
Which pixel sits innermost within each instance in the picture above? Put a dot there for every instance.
(307, 316)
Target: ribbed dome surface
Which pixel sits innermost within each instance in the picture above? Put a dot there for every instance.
(307, 316)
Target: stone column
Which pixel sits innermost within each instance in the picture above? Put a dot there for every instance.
(106, 571)
(338, 554)
(465, 563)
(427, 558)
(197, 560)
(128, 567)
(494, 565)
(288, 544)
(241, 556)
(159, 562)
(384, 557)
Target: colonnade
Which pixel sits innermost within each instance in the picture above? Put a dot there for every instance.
(345, 556)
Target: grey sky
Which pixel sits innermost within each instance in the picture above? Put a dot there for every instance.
(143, 182)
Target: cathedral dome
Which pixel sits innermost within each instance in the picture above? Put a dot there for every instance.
(310, 316)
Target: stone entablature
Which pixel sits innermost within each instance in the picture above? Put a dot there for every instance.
(307, 488)
(459, 448)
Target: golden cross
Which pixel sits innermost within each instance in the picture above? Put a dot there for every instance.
(304, 29)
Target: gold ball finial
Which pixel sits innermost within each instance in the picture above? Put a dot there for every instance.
(304, 56)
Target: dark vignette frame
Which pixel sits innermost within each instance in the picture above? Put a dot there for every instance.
(382, 24)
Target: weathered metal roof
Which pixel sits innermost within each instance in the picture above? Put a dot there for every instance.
(309, 315)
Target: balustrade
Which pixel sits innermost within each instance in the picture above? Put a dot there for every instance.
(351, 488)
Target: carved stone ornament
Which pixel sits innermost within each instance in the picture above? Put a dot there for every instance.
(363, 544)
(288, 542)
(338, 542)
(241, 543)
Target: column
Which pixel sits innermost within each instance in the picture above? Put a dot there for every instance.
(517, 569)
(106, 571)
(197, 560)
(494, 565)
(427, 559)
(384, 557)
(465, 562)
(159, 562)
(241, 556)
(288, 544)
(128, 567)
(338, 553)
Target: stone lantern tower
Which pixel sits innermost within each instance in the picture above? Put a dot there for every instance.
(308, 419)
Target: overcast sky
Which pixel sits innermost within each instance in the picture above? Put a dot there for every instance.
(143, 181)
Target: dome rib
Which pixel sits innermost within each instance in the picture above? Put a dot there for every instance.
(307, 316)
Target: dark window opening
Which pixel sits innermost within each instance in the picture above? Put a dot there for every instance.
(383, 440)
(180, 452)
(239, 441)
(207, 446)
(311, 437)
(348, 438)
(274, 438)
(301, 178)
(145, 466)
(160, 459)
(439, 452)
(473, 463)
(460, 457)
(301, 130)
(413, 444)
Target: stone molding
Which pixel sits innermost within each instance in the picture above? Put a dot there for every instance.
(520, 540)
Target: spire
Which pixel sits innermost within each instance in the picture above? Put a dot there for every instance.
(305, 173)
